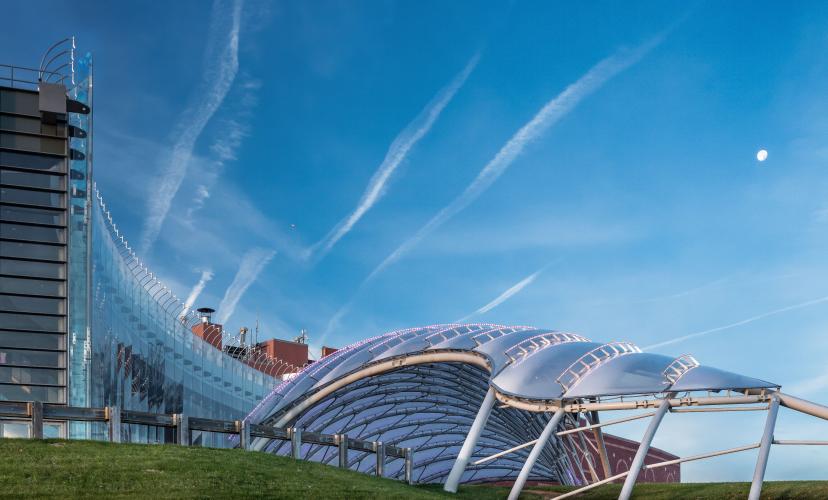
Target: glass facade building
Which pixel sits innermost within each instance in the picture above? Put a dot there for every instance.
(82, 321)
(34, 158)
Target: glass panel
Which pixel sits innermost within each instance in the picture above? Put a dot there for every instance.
(31, 125)
(18, 375)
(36, 215)
(33, 161)
(20, 124)
(32, 269)
(31, 393)
(32, 286)
(32, 233)
(32, 358)
(31, 179)
(12, 195)
(32, 250)
(13, 429)
(54, 430)
(32, 304)
(15, 101)
(33, 143)
(29, 340)
(31, 322)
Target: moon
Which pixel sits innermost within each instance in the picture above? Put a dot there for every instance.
(762, 155)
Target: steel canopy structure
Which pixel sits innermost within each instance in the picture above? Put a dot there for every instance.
(436, 389)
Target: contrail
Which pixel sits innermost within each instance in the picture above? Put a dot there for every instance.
(251, 265)
(550, 114)
(738, 323)
(503, 297)
(206, 275)
(216, 82)
(397, 152)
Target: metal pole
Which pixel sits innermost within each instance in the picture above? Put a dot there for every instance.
(342, 441)
(244, 434)
(602, 447)
(535, 453)
(453, 480)
(643, 448)
(113, 415)
(296, 442)
(36, 414)
(764, 450)
(409, 466)
(504, 452)
(379, 447)
(182, 429)
(803, 406)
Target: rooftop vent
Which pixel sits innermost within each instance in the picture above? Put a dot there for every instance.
(206, 314)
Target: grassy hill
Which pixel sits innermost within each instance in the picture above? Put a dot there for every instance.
(78, 469)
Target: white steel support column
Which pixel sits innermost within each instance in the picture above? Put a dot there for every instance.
(643, 448)
(453, 480)
(535, 453)
(764, 450)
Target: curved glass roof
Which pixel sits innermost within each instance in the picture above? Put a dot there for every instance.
(422, 387)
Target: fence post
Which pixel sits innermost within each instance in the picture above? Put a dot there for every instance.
(36, 413)
(296, 442)
(379, 448)
(342, 441)
(182, 429)
(409, 466)
(113, 417)
(244, 434)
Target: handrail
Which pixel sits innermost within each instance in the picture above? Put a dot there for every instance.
(36, 412)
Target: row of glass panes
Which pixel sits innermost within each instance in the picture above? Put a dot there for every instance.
(33, 143)
(31, 125)
(32, 179)
(32, 269)
(47, 394)
(18, 429)
(19, 101)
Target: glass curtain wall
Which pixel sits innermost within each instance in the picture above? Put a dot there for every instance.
(144, 356)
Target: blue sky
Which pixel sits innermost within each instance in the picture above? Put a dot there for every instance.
(351, 168)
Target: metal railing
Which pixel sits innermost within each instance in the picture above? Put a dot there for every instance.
(36, 413)
(20, 77)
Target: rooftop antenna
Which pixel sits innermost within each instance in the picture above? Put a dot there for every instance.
(256, 332)
(303, 337)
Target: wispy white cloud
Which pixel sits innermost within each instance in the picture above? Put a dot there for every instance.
(738, 323)
(396, 154)
(220, 72)
(206, 275)
(506, 295)
(252, 264)
(224, 149)
(550, 114)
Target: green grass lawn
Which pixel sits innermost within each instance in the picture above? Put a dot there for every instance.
(83, 469)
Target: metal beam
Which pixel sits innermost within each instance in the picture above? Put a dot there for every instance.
(657, 465)
(505, 452)
(643, 448)
(608, 422)
(533, 455)
(801, 405)
(800, 442)
(602, 447)
(764, 450)
(453, 480)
